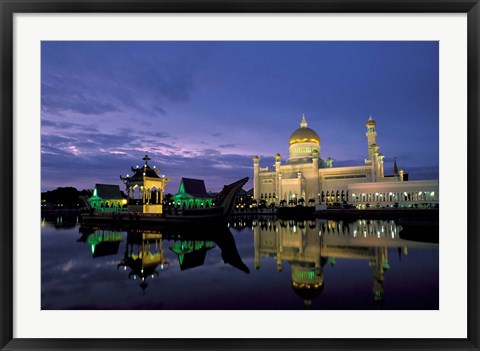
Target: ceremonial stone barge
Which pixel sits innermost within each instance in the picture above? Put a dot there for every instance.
(144, 202)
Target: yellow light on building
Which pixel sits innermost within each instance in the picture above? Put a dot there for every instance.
(304, 140)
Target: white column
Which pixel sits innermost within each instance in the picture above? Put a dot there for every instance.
(256, 178)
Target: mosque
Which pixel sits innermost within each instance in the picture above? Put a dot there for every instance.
(307, 178)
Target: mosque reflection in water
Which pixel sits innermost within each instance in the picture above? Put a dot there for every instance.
(308, 246)
(304, 247)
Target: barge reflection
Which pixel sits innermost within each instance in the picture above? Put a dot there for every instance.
(144, 250)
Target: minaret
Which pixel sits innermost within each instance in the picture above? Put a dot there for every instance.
(395, 168)
(300, 187)
(278, 179)
(316, 188)
(371, 136)
(372, 147)
(329, 162)
(381, 173)
(256, 177)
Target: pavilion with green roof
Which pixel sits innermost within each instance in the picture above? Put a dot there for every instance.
(107, 198)
(192, 194)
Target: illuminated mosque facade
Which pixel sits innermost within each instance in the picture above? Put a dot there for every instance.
(307, 177)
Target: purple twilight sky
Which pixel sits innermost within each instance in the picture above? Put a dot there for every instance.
(203, 109)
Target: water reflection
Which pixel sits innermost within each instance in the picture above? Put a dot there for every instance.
(191, 253)
(326, 264)
(306, 246)
(102, 242)
(144, 252)
(60, 222)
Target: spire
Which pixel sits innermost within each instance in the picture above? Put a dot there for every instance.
(146, 159)
(370, 123)
(303, 123)
(395, 168)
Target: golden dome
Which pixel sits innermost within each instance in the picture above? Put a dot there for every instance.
(304, 134)
(371, 122)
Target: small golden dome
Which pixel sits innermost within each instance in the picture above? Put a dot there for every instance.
(370, 122)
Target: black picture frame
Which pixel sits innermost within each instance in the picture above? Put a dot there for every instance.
(9, 7)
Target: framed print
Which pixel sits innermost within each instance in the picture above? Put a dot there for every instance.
(239, 175)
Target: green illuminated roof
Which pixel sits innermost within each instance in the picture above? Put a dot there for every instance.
(107, 192)
(193, 187)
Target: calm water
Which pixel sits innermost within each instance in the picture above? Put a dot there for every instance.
(249, 264)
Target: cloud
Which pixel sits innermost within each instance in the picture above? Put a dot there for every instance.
(210, 152)
(56, 139)
(95, 78)
(60, 168)
(61, 125)
(67, 267)
(157, 134)
(73, 95)
(228, 146)
(126, 141)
